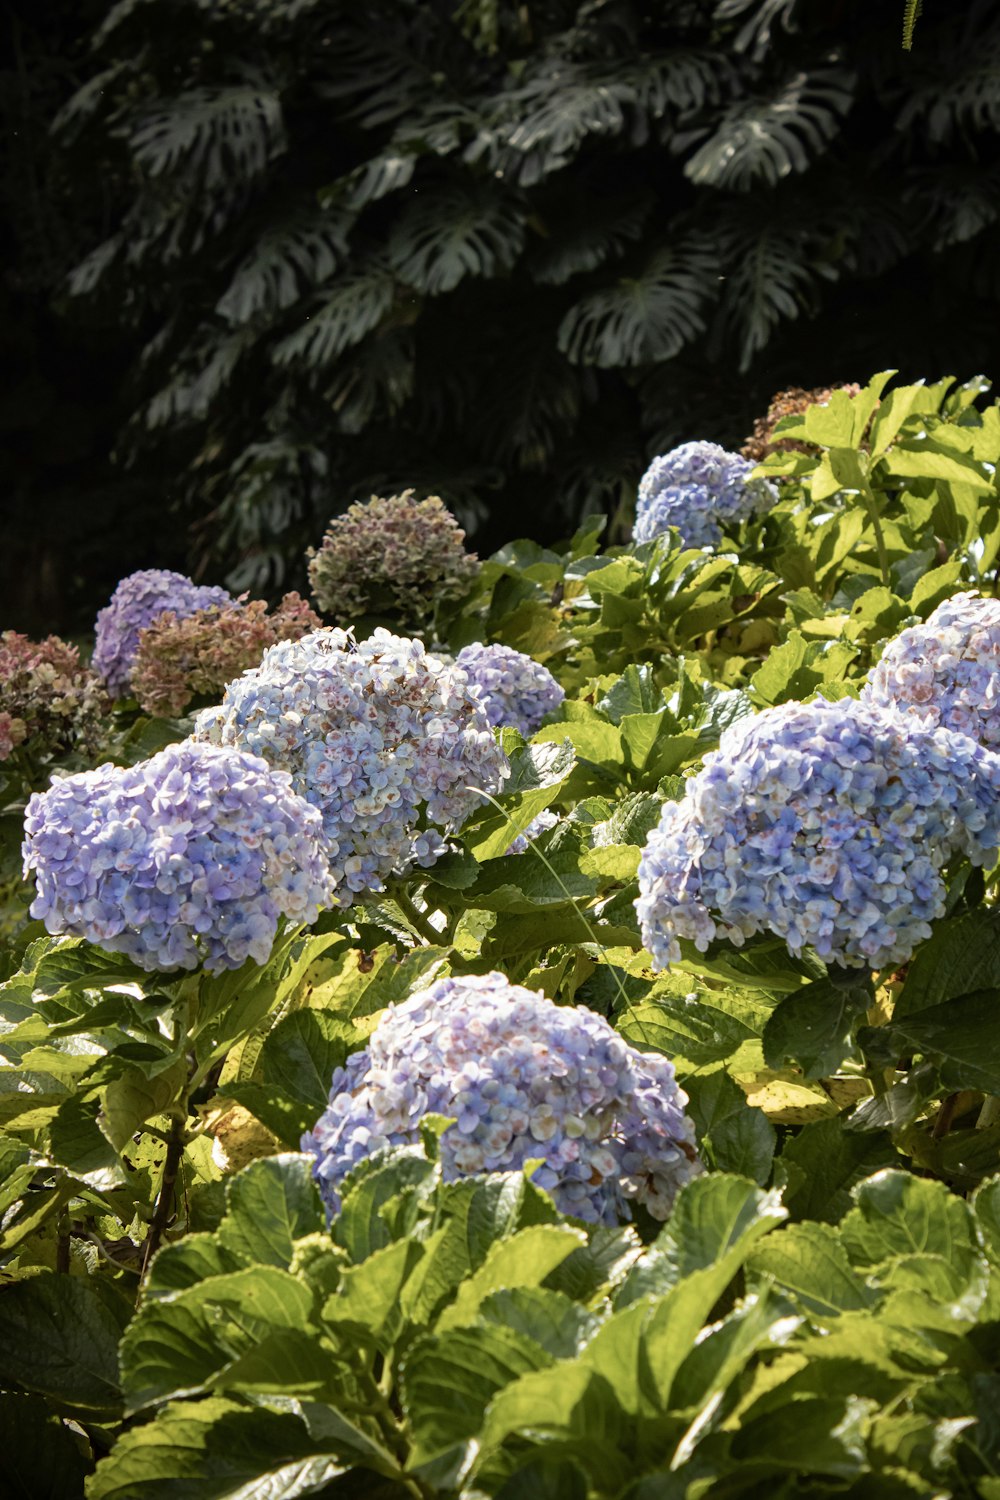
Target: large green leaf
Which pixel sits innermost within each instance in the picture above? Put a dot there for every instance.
(59, 1339)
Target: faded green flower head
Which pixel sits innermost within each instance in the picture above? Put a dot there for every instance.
(397, 558)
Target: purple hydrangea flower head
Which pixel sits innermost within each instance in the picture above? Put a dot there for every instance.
(828, 824)
(185, 859)
(390, 743)
(696, 487)
(946, 672)
(524, 1079)
(518, 692)
(135, 603)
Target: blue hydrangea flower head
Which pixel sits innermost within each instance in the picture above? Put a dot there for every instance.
(828, 824)
(186, 859)
(698, 487)
(391, 744)
(524, 1079)
(135, 603)
(947, 671)
(518, 692)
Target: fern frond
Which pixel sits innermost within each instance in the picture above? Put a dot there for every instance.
(454, 231)
(355, 306)
(287, 262)
(648, 317)
(911, 15)
(214, 134)
(765, 139)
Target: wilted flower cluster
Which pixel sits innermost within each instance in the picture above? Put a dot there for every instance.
(135, 603)
(825, 823)
(188, 858)
(790, 403)
(517, 691)
(397, 557)
(947, 671)
(181, 659)
(51, 704)
(524, 1079)
(698, 487)
(391, 744)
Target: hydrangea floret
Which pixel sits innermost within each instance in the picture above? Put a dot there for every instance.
(524, 1079)
(545, 820)
(186, 859)
(947, 671)
(699, 488)
(51, 703)
(828, 824)
(135, 603)
(396, 557)
(518, 691)
(390, 743)
(179, 659)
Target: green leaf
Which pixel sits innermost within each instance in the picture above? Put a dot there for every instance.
(269, 1205)
(813, 1026)
(961, 956)
(460, 229)
(448, 1382)
(823, 1161)
(538, 772)
(897, 1214)
(523, 1260)
(59, 1339)
(580, 1406)
(177, 1345)
(929, 460)
(809, 1262)
(41, 1459)
(367, 1300)
(300, 1054)
(961, 1037)
(217, 1450)
(733, 1135)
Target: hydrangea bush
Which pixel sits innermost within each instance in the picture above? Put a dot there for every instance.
(946, 671)
(390, 743)
(185, 860)
(699, 488)
(181, 659)
(398, 557)
(828, 824)
(524, 1079)
(518, 692)
(49, 702)
(135, 603)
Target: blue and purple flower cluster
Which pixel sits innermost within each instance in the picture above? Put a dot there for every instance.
(946, 672)
(135, 603)
(524, 1079)
(188, 858)
(696, 487)
(517, 691)
(392, 745)
(825, 823)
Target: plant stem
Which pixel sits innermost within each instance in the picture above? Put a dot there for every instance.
(883, 556)
(945, 1116)
(990, 1112)
(165, 1197)
(417, 919)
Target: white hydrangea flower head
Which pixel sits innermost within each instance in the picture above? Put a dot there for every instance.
(391, 744)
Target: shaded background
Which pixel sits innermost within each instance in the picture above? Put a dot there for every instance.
(264, 257)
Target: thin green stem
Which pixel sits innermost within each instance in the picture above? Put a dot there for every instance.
(883, 555)
(990, 1112)
(417, 919)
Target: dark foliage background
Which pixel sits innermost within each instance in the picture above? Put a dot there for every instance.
(280, 254)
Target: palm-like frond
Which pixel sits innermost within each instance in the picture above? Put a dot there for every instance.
(582, 243)
(453, 231)
(646, 317)
(212, 134)
(355, 306)
(765, 138)
(286, 263)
